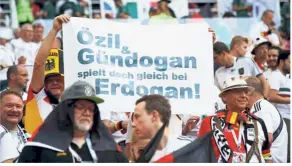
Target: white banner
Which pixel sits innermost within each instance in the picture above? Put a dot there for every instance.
(126, 61)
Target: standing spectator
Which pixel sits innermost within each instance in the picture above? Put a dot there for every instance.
(23, 47)
(280, 86)
(242, 8)
(38, 31)
(273, 55)
(285, 13)
(74, 131)
(7, 57)
(266, 29)
(152, 115)
(277, 130)
(260, 52)
(238, 46)
(49, 9)
(24, 11)
(232, 66)
(164, 8)
(17, 33)
(117, 123)
(17, 76)
(68, 8)
(11, 113)
(46, 88)
(230, 143)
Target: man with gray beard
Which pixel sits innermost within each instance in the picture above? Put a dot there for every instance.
(73, 132)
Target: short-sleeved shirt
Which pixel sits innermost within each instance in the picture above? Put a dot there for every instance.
(270, 115)
(242, 66)
(8, 149)
(281, 83)
(44, 105)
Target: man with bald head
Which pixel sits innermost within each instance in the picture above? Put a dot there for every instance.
(17, 77)
(23, 47)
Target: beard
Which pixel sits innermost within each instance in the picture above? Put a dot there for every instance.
(83, 126)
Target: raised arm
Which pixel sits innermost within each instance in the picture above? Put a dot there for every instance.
(38, 75)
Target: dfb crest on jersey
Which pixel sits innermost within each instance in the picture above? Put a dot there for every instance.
(241, 71)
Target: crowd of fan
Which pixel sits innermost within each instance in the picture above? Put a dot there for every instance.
(249, 79)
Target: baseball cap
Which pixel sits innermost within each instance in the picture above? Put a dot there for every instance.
(260, 41)
(235, 83)
(81, 90)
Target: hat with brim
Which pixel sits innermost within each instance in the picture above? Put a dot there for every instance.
(53, 74)
(81, 90)
(258, 42)
(234, 83)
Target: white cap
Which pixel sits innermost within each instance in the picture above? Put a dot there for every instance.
(259, 41)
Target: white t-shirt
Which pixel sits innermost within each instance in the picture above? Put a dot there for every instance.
(173, 143)
(281, 83)
(261, 27)
(26, 49)
(270, 115)
(267, 73)
(243, 66)
(7, 58)
(44, 106)
(8, 149)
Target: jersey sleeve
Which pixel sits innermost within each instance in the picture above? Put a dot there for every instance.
(8, 149)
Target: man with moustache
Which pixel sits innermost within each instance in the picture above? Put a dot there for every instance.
(260, 52)
(73, 132)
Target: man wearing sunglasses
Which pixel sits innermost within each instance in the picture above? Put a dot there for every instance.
(73, 132)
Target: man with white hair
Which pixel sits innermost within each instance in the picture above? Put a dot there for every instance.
(73, 132)
(238, 135)
(23, 48)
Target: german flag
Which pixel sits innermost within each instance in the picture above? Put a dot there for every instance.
(198, 151)
(54, 65)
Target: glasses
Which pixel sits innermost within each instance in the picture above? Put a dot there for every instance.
(82, 108)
